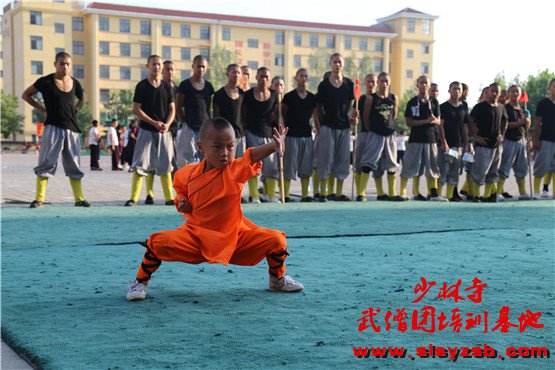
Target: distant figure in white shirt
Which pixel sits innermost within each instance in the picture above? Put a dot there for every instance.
(113, 144)
(94, 146)
(401, 145)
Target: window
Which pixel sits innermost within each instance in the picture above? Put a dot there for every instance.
(185, 75)
(379, 45)
(298, 39)
(125, 49)
(144, 73)
(424, 68)
(124, 25)
(145, 50)
(185, 31)
(348, 43)
(104, 47)
(58, 50)
(297, 61)
(78, 48)
(59, 27)
(425, 48)
(409, 73)
(252, 43)
(410, 53)
(166, 29)
(253, 64)
(104, 71)
(77, 23)
(103, 24)
(280, 37)
(124, 73)
(313, 41)
(410, 25)
(279, 60)
(378, 65)
(363, 44)
(36, 42)
(36, 67)
(205, 52)
(426, 27)
(78, 71)
(36, 17)
(166, 52)
(185, 53)
(205, 32)
(104, 95)
(226, 34)
(145, 27)
(330, 42)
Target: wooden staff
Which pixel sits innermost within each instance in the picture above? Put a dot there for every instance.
(281, 179)
(524, 99)
(357, 97)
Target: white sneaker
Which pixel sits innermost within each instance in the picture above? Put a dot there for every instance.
(136, 291)
(500, 198)
(285, 284)
(524, 197)
(537, 197)
(254, 200)
(263, 198)
(439, 198)
(545, 194)
(274, 200)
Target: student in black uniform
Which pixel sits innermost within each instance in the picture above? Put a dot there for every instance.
(298, 106)
(259, 111)
(421, 115)
(63, 98)
(227, 104)
(194, 96)
(544, 140)
(514, 154)
(335, 99)
(380, 154)
(488, 123)
(453, 133)
(154, 106)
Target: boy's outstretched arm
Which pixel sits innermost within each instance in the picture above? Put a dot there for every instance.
(260, 152)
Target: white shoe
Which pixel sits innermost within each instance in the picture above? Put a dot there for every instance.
(537, 197)
(274, 200)
(439, 198)
(263, 198)
(500, 198)
(136, 291)
(285, 284)
(255, 201)
(545, 194)
(524, 197)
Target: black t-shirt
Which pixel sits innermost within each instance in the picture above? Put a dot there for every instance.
(196, 103)
(454, 119)
(60, 106)
(336, 102)
(361, 103)
(154, 102)
(175, 125)
(546, 110)
(514, 115)
(299, 112)
(258, 114)
(381, 114)
(419, 109)
(230, 109)
(488, 120)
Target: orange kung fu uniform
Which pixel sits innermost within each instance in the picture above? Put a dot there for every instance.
(216, 230)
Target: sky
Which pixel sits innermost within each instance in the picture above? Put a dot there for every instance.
(474, 39)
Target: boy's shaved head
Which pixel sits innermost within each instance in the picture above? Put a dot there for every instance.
(218, 124)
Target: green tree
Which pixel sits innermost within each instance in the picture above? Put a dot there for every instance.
(11, 121)
(220, 58)
(84, 119)
(119, 105)
(318, 65)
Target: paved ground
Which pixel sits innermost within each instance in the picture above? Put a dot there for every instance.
(109, 187)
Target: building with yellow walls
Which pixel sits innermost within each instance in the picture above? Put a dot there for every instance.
(109, 45)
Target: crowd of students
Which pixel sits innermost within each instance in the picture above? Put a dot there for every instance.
(486, 141)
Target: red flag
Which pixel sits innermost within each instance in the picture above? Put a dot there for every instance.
(357, 89)
(523, 98)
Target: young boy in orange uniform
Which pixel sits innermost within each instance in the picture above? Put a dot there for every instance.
(209, 195)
